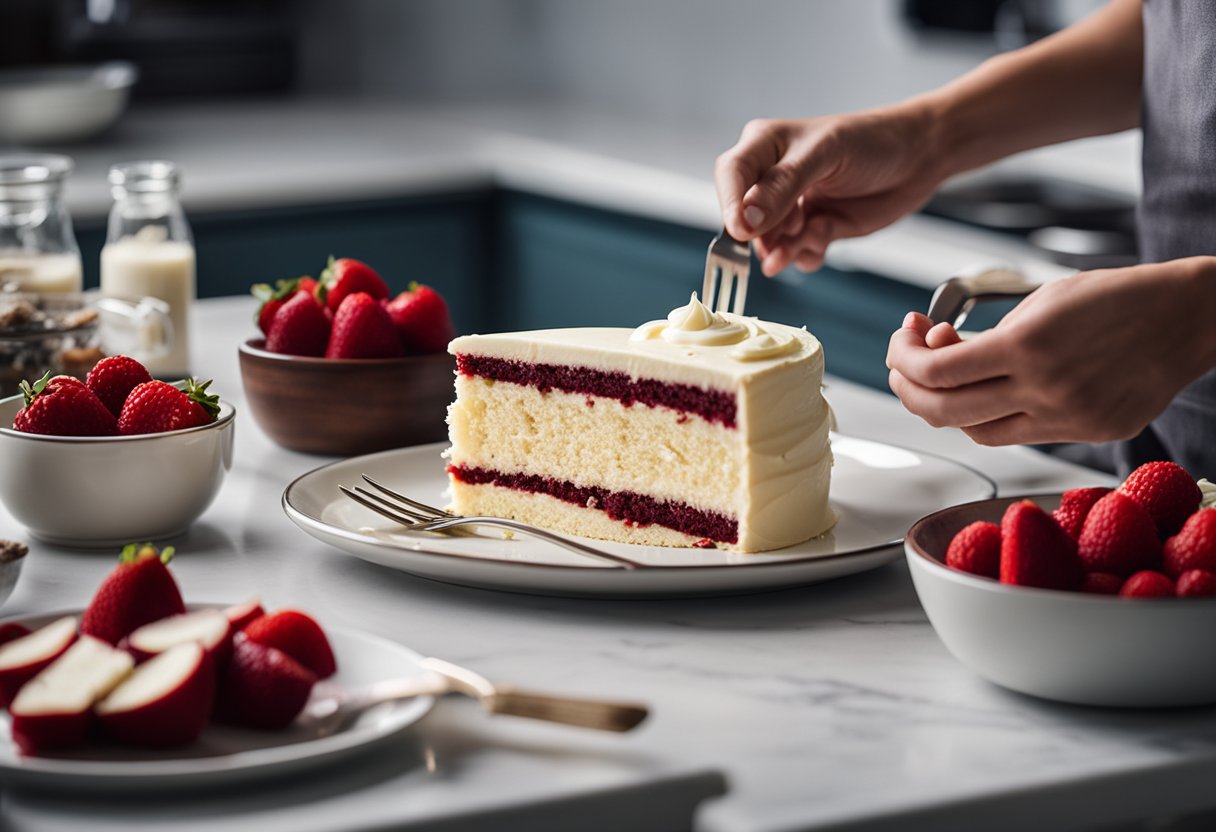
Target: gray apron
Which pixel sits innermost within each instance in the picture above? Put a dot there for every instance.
(1176, 216)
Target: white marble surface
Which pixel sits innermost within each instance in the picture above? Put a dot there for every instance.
(829, 707)
(250, 155)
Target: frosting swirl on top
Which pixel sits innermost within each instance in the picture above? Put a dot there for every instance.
(697, 324)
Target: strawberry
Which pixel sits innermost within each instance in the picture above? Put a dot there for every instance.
(297, 635)
(1194, 547)
(1196, 583)
(138, 591)
(158, 407)
(1147, 584)
(112, 380)
(1035, 551)
(273, 298)
(1074, 508)
(422, 320)
(262, 687)
(62, 406)
(1118, 536)
(976, 549)
(1168, 493)
(1101, 583)
(11, 631)
(345, 277)
(300, 327)
(362, 329)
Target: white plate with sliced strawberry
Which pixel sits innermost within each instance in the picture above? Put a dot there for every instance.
(140, 690)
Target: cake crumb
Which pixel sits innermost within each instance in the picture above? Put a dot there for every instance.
(592, 502)
(507, 534)
(11, 550)
(703, 543)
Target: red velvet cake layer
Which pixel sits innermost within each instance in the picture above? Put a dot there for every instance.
(712, 405)
(624, 506)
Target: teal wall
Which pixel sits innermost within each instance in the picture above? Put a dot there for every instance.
(508, 260)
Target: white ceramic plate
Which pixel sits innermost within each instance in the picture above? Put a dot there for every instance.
(226, 755)
(878, 491)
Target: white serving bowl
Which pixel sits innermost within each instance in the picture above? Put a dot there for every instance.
(1066, 646)
(111, 490)
(62, 104)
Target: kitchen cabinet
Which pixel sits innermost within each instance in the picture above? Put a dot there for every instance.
(511, 260)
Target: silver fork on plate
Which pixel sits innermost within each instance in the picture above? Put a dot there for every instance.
(419, 517)
(732, 260)
(331, 711)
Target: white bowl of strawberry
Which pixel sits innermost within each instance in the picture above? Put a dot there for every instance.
(1094, 596)
(345, 368)
(115, 458)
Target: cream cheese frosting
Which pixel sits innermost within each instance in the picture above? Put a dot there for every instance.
(697, 324)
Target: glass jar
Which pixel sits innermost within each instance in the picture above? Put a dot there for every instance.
(149, 252)
(38, 251)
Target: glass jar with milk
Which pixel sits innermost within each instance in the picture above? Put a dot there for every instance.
(149, 252)
(38, 251)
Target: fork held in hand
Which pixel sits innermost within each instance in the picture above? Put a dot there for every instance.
(420, 517)
(732, 259)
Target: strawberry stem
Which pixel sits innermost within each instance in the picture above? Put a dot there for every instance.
(31, 392)
(133, 552)
(198, 394)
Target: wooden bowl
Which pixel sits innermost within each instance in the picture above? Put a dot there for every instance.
(344, 407)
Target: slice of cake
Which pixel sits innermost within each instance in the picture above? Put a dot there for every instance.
(702, 429)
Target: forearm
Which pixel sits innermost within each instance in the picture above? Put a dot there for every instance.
(1082, 81)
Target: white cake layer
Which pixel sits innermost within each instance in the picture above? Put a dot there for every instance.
(595, 441)
(609, 349)
(559, 516)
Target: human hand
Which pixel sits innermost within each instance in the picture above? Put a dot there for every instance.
(1091, 358)
(794, 186)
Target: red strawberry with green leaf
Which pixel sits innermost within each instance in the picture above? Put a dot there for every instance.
(300, 327)
(1196, 583)
(299, 636)
(1194, 547)
(362, 329)
(1074, 508)
(976, 548)
(422, 319)
(1147, 584)
(112, 380)
(1118, 536)
(63, 406)
(345, 277)
(158, 407)
(1166, 491)
(138, 591)
(1035, 551)
(273, 298)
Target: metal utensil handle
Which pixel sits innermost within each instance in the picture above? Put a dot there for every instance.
(531, 531)
(954, 298)
(586, 713)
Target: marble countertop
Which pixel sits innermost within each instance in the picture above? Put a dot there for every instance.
(265, 155)
(827, 707)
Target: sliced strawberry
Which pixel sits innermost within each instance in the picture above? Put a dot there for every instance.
(1147, 584)
(1074, 508)
(262, 687)
(422, 319)
(345, 277)
(1035, 551)
(362, 329)
(297, 635)
(1166, 491)
(300, 327)
(976, 549)
(1194, 547)
(1118, 536)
